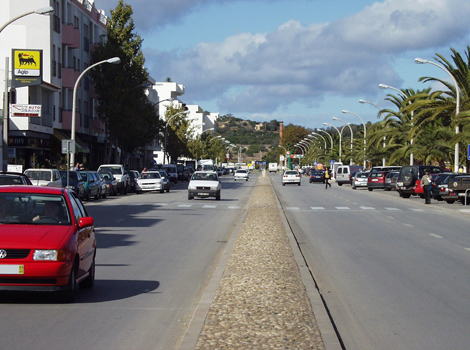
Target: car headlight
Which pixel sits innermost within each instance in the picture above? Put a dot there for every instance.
(214, 188)
(191, 187)
(48, 255)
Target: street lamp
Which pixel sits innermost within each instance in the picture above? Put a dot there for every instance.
(42, 11)
(166, 130)
(314, 134)
(339, 138)
(457, 106)
(365, 131)
(373, 104)
(331, 138)
(352, 135)
(384, 86)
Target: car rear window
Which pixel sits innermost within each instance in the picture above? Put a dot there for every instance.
(376, 174)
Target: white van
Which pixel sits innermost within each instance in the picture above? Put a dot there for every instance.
(44, 177)
(344, 173)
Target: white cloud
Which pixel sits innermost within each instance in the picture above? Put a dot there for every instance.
(298, 63)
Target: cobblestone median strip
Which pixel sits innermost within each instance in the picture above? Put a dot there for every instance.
(261, 301)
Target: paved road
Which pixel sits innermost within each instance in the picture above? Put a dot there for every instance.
(393, 271)
(155, 255)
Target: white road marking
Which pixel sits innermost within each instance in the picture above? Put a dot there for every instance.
(367, 208)
(185, 205)
(435, 236)
(292, 208)
(342, 208)
(209, 206)
(392, 209)
(317, 208)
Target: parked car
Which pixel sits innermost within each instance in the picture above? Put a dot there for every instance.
(110, 182)
(291, 177)
(166, 180)
(133, 176)
(344, 173)
(92, 184)
(150, 181)
(204, 184)
(72, 179)
(120, 174)
(409, 179)
(388, 181)
(241, 174)
(44, 177)
(317, 176)
(12, 178)
(172, 171)
(48, 241)
(360, 180)
(376, 180)
(459, 189)
(440, 186)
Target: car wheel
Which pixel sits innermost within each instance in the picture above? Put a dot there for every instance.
(190, 197)
(68, 295)
(125, 190)
(283, 184)
(450, 201)
(217, 196)
(298, 184)
(162, 190)
(89, 282)
(246, 179)
(168, 189)
(370, 189)
(340, 184)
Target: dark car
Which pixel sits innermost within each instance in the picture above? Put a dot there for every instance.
(110, 182)
(72, 179)
(409, 179)
(389, 184)
(92, 184)
(439, 185)
(12, 178)
(317, 176)
(134, 175)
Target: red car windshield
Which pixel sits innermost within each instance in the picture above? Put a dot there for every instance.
(33, 209)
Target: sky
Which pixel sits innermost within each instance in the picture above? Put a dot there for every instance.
(297, 61)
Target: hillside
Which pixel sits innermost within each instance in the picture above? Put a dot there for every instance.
(256, 138)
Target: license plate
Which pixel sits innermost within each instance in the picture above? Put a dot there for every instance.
(203, 194)
(400, 183)
(11, 269)
(374, 180)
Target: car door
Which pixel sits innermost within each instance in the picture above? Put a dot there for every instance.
(85, 236)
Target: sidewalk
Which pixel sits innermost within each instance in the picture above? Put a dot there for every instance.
(262, 295)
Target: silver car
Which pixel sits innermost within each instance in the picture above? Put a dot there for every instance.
(360, 180)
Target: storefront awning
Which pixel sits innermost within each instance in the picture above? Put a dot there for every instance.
(80, 146)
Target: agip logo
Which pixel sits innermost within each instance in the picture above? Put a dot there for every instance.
(27, 67)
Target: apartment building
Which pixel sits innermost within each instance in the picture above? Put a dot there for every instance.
(66, 39)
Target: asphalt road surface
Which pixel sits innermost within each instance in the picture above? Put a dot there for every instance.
(392, 271)
(155, 254)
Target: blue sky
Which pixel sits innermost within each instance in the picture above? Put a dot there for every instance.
(297, 61)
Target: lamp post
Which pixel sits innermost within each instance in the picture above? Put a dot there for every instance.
(114, 60)
(384, 86)
(42, 11)
(331, 138)
(339, 138)
(314, 134)
(166, 131)
(365, 132)
(457, 106)
(352, 135)
(383, 145)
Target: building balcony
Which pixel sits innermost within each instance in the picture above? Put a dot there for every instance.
(67, 120)
(69, 77)
(70, 36)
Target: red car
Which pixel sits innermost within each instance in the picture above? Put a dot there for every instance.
(47, 241)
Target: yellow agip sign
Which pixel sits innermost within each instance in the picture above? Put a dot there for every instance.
(27, 67)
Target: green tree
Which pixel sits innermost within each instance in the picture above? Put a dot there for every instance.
(130, 119)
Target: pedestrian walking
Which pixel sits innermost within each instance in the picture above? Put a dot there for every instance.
(327, 178)
(426, 184)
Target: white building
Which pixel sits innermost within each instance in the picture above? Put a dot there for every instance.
(66, 38)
